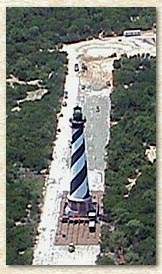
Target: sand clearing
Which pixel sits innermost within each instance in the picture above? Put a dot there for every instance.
(45, 252)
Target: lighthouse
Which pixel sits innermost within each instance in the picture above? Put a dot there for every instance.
(79, 199)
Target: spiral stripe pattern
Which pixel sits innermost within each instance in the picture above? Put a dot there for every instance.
(79, 188)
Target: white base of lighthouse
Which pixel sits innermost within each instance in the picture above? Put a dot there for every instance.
(79, 207)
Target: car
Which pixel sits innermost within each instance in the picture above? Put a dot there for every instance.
(66, 94)
(71, 248)
(76, 67)
(64, 104)
(97, 109)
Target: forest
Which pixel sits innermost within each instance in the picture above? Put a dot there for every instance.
(129, 231)
(33, 39)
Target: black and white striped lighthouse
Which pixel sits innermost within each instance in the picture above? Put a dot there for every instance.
(79, 199)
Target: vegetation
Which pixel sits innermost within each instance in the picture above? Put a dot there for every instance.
(130, 227)
(31, 32)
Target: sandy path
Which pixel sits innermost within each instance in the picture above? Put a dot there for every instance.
(45, 252)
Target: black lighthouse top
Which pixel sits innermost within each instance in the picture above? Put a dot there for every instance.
(77, 119)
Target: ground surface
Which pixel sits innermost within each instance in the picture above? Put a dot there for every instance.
(97, 135)
(76, 230)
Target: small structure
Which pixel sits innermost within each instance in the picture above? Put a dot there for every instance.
(133, 32)
(92, 226)
(92, 221)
